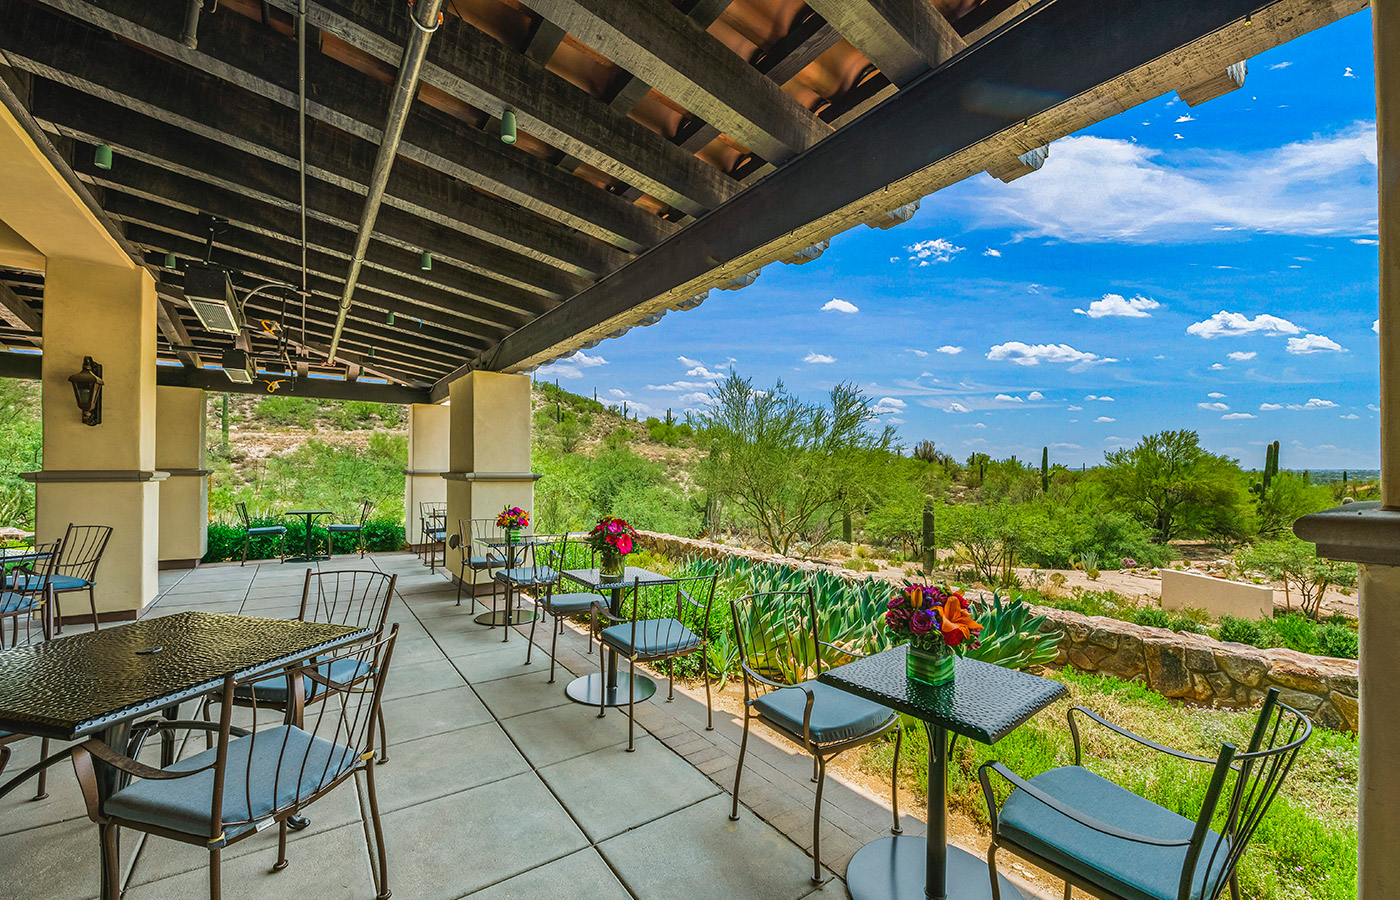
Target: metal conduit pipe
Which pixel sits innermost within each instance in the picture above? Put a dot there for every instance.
(190, 36)
(426, 16)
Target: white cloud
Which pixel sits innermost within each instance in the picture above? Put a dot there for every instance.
(1348, 73)
(919, 353)
(695, 399)
(950, 349)
(1185, 117)
(1065, 446)
(895, 420)
(1035, 395)
(887, 405)
(687, 361)
(1349, 416)
(1118, 305)
(1007, 398)
(1178, 136)
(621, 395)
(993, 252)
(1280, 65)
(936, 250)
(1313, 343)
(956, 408)
(682, 386)
(1313, 403)
(1228, 416)
(1023, 354)
(1376, 326)
(1214, 407)
(1243, 355)
(1105, 419)
(1075, 408)
(1269, 407)
(1217, 367)
(818, 359)
(1324, 185)
(702, 372)
(573, 366)
(1216, 395)
(1366, 242)
(1233, 324)
(836, 304)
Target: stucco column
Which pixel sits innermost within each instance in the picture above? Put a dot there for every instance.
(427, 463)
(102, 474)
(184, 495)
(490, 458)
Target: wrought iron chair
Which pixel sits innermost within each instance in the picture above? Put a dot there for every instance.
(560, 604)
(650, 635)
(476, 556)
(250, 532)
(251, 779)
(779, 634)
(1111, 843)
(350, 527)
(74, 568)
(432, 520)
(357, 599)
(21, 609)
(524, 569)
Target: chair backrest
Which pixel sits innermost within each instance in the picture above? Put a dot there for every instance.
(347, 597)
(285, 767)
(776, 633)
(83, 546)
(243, 512)
(366, 508)
(1258, 773)
(481, 529)
(677, 604)
(562, 554)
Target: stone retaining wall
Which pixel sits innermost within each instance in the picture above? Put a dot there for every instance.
(1191, 667)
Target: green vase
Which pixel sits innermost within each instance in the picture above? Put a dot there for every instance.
(513, 535)
(930, 660)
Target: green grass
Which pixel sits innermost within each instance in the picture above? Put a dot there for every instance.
(1304, 848)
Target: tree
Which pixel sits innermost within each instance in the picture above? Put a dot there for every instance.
(1296, 563)
(1175, 487)
(794, 468)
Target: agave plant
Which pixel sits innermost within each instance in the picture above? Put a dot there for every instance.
(1010, 637)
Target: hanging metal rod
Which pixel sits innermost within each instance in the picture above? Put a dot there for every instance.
(426, 15)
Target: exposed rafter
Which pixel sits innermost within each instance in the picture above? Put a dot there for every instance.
(905, 38)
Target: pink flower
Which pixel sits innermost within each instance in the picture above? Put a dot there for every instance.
(921, 622)
(897, 619)
(624, 545)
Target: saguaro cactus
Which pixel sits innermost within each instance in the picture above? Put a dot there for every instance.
(1045, 470)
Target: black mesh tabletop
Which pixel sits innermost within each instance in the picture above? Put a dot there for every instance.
(593, 578)
(983, 701)
(80, 684)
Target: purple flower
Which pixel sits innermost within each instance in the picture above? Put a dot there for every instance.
(897, 619)
(897, 601)
(921, 622)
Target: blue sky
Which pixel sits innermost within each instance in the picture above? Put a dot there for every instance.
(1211, 268)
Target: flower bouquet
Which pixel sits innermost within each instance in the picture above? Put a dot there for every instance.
(936, 619)
(512, 519)
(612, 538)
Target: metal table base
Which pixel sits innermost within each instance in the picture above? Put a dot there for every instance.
(503, 617)
(591, 689)
(894, 868)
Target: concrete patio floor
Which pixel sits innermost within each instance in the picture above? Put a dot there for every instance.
(497, 786)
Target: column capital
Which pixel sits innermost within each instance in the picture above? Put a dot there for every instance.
(1355, 532)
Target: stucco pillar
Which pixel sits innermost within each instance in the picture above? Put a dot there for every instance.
(184, 495)
(102, 474)
(428, 427)
(490, 459)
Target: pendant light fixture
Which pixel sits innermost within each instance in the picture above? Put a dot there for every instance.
(426, 261)
(102, 158)
(170, 261)
(389, 319)
(508, 126)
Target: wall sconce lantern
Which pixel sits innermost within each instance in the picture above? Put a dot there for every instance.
(87, 389)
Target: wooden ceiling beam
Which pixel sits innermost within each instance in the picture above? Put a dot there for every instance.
(903, 38)
(665, 48)
(312, 388)
(477, 69)
(173, 327)
(805, 41)
(18, 314)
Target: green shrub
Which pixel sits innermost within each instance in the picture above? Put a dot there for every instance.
(1339, 641)
(1240, 631)
(226, 539)
(299, 411)
(1153, 617)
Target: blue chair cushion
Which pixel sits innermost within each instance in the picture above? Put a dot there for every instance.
(1131, 870)
(343, 526)
(274, 689)
(11, 603)
(262, 530)
(655, 637)
(568, 604)
(485, 562)
(836, 715)
(184, 804)
(60, 582)
(528, 575)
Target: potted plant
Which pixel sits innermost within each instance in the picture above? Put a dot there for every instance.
(613, 539)
(511, 520)
(936, 620)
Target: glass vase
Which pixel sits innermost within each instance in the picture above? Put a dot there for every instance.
(610, 564)
(930, 661)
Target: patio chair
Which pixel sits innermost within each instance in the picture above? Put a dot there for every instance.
(432, 521)
(74, 568)
(251, 779)
(525, 568)
(250, 532)
(346, 597)
(476, 556)
(1113, 844)
(350, 527)
(778, 636)
(560, 604)
(651, 635)
(21, 610)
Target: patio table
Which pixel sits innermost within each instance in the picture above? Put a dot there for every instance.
(22, 555)
(100, 682)
(614, 689)
(310, 514)
(509, 615)
(983, 702)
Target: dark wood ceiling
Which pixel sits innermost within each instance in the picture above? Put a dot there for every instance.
(638, 120)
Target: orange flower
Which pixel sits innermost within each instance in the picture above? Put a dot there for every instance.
(916, 597)
(956, 624)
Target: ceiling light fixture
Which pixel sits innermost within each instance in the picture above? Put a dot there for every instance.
(508, 126)
(102, 158)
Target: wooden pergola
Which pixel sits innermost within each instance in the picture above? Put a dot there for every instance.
(661, 150)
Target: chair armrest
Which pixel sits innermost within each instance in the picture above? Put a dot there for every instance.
(1082, 818)
(851, 653)
(1153, 745)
